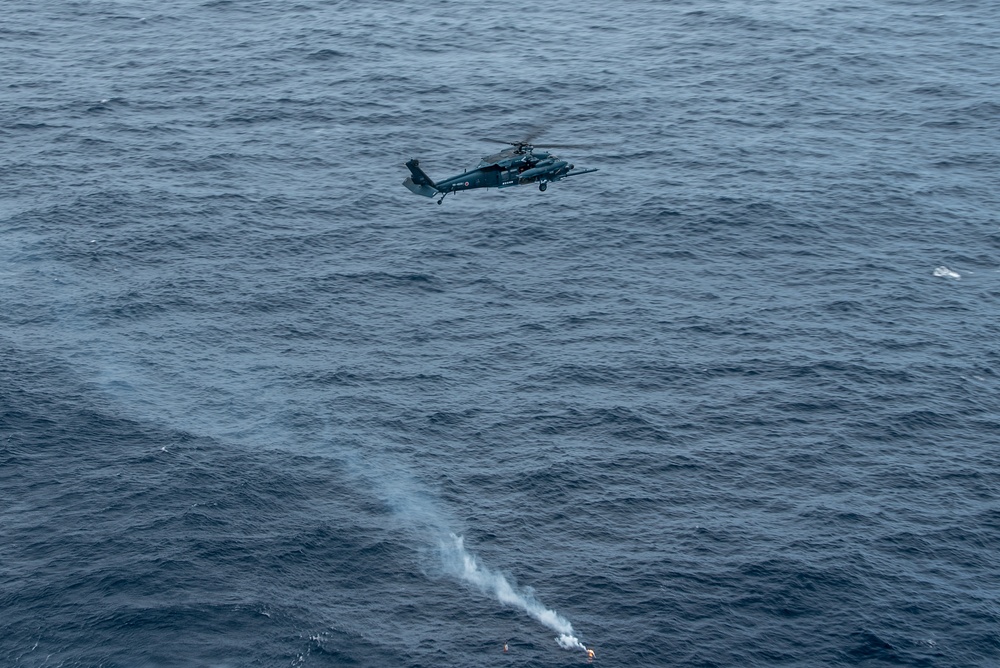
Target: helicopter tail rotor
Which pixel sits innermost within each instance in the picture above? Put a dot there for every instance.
(418, 182)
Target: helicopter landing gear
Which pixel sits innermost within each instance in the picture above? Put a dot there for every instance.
(543, 186)
(442, 197)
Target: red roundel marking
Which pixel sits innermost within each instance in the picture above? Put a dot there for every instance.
(466, 183)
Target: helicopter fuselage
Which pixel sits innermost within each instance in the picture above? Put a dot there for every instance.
(495, 176)
(510, 167)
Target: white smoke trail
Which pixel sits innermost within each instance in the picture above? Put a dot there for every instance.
(419, 512)
(463, 564)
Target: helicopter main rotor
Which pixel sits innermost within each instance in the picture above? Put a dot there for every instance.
(526, 145)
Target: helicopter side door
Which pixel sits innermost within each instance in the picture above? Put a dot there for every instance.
(508, 176)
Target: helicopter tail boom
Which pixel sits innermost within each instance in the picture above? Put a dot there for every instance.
(419, 183)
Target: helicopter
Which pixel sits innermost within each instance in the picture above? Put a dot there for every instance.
(517, 165)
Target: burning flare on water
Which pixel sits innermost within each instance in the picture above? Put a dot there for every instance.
(466, 566)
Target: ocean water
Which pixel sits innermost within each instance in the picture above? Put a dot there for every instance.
(733, 400)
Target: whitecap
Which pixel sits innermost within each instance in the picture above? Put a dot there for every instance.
(946, 272)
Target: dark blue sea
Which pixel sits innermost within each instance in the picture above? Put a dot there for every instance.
(732, 400)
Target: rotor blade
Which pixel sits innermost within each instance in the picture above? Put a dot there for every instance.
(565, 145)
(502, 141)
(533, 132)
(528, 143)
(526, 140)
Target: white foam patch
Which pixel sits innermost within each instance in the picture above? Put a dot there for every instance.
(945, 272)
(463, 564)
